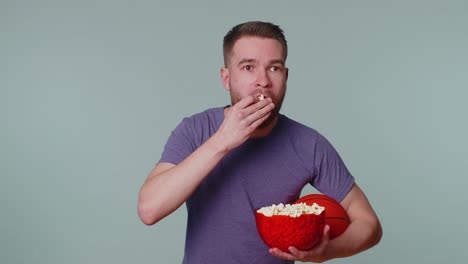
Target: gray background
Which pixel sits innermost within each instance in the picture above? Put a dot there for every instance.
(90, 91)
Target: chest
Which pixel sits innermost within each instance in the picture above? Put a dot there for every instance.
(261, 174)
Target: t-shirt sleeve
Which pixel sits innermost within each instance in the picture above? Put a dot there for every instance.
(180, 143)
(332, 178)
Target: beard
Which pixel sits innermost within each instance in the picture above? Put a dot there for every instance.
(277, 100)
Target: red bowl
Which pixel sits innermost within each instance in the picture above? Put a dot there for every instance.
(281, 231)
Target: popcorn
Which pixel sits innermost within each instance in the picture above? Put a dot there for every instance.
(261, 97)
(292, 210)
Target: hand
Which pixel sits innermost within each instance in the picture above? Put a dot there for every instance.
(241, 120)
(316, 254)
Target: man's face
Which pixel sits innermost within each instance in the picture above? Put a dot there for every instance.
(256, 66)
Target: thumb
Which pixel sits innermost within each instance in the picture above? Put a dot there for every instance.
(326, 231)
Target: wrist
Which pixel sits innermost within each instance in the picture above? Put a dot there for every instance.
(218, 145)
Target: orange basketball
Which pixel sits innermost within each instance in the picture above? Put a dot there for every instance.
(335, 215)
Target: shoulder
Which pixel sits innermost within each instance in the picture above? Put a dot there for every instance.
(210, 116)
(198, 127)
(207, 115)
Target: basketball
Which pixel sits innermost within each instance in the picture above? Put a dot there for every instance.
(335, 215)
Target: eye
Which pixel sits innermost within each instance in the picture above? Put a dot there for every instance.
(275, 68)
(248, 67)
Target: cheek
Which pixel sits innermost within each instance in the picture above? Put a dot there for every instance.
(242, 85)
(243, 78)
(278, 91)
(235, 82)
(279, 83)
(279, 78)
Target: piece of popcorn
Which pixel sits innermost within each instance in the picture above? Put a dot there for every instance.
(292, 210)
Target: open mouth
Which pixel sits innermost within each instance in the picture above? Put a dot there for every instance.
(261, 97)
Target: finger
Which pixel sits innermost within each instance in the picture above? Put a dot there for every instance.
(282, 255)
(257, 105)
(297, 253)
(245, 102)
(324, 241)
(259, 121)
(326, 232)
(259, 114)
(261, 103)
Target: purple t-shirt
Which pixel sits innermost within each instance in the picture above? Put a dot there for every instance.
(262, 171)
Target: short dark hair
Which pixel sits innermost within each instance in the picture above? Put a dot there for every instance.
(253, 29)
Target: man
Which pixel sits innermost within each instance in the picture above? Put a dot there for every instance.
(228, 161)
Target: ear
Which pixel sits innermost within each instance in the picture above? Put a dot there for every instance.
(225, 78)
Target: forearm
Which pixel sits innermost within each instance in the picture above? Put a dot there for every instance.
(165, 191)
(359, 236)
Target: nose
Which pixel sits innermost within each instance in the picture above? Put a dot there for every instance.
(263, 80)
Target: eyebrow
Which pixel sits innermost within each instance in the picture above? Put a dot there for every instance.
(251, 60)
(246, 60)
(278, 61)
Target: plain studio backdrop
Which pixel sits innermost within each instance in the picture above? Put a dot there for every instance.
(90, 91)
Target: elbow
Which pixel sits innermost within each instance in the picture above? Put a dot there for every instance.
(376, 234)
(379, 233)
(146, 215)
(151, 209)
(146, 211)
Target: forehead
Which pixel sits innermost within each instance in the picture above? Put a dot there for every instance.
(257, 48)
